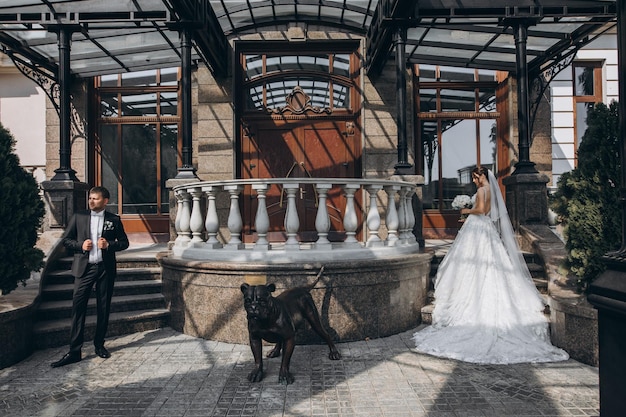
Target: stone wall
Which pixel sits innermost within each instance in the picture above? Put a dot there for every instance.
(356, 300)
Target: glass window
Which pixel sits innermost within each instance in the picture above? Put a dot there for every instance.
(169, 104)
(139, 165)
(108, 105)
(138, 154)
(139, 104)
(109, 148)
(341, 65)
(326, 88)
(457, 131)
(139, 78)
(587, 92)
(169, 156)
(584, 80)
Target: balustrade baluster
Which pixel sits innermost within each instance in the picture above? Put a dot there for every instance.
(212, 222)
(322, 220)
(179, 211)
(411, 216)
(262, 220)
(373, 217)
(235, 223)
(402, 216)
(350, 223)
(292, 222)
(392, 220)
(185, 219)
(196, 223)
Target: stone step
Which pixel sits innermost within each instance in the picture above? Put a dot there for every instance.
(62, 309)
(122, 262)
(53, 333)
(64, 276)
(56, 292)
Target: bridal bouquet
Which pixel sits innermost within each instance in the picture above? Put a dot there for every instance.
(460, 202)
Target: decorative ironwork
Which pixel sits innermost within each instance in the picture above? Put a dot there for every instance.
(540, 83)
(298, 102)
(52, 89)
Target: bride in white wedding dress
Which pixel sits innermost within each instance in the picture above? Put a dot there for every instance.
(487, 308)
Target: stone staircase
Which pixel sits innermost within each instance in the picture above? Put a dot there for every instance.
(137, 303)
(537, 272)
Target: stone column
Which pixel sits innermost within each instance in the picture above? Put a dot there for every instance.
(527, 198)
(62, 200)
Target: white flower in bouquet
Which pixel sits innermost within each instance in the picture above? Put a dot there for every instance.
(461, 201)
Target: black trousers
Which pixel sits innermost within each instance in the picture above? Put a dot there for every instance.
(94, 275)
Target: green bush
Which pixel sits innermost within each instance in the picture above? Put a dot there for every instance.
(587, 198)
(21, 211)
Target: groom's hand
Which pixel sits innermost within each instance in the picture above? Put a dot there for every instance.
(87, 245)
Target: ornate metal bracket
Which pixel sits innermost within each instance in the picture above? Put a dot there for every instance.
(540, 83)
(51, 87)
(298, 102)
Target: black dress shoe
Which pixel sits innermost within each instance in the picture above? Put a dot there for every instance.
(68, 358)
(102, 352)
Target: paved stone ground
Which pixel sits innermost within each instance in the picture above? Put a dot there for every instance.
(166, 373)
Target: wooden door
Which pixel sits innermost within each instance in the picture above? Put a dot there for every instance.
(298, 149)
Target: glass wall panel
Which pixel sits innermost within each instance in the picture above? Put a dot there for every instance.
(584, 80)
(458, 100)
(139, 78)
(169, 77)
(109, 105)
(341, 65)
(169, 103)
(108, 80)
(139, 104)
(254, 66)
(582, 110)
(428, 100)
(457, 74)
(458, 146)
(139, 165)
(109, 148)
(169, 153)
(283, 63)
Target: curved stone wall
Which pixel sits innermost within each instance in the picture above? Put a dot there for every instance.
(356, 299)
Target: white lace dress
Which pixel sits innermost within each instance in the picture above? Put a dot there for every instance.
(486, 311)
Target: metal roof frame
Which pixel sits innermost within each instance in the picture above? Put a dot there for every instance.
(129, 35)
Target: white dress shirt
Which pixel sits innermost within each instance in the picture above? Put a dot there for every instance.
(95, 228)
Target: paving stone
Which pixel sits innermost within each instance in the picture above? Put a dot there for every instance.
(165, 373)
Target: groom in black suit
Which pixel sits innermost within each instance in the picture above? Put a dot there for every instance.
(94, 236)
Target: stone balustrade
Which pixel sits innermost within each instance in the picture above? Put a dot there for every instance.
(198, 227)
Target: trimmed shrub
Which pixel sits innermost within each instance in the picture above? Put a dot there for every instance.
(587, 198)
(21, 211)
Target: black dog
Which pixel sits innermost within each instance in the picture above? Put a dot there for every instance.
(276, 319)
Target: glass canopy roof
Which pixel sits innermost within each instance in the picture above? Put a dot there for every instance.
(116, 36)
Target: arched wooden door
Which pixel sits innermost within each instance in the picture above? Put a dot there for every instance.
(298, 114)
(299, 149)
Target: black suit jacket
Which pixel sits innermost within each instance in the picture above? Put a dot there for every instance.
(78, 231)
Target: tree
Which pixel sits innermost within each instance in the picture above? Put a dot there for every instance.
(21, 211)
(587, 198)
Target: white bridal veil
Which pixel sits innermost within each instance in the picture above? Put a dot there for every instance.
(502, 222)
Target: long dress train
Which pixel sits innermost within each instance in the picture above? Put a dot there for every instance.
(487, 310)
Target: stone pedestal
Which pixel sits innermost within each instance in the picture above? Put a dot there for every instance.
(608, 294)
(62, 200)
(527, 198)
